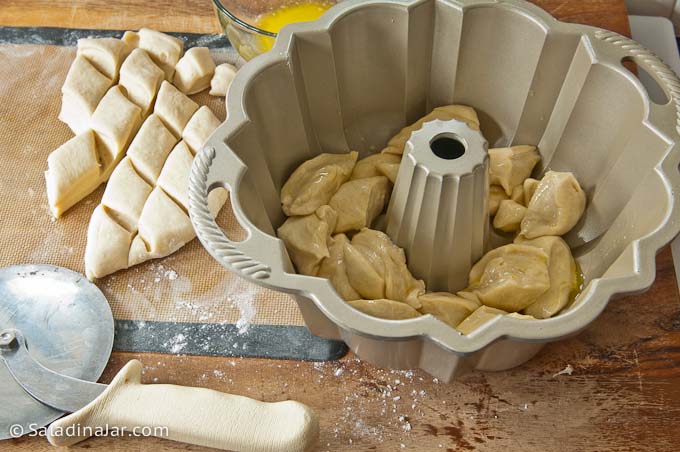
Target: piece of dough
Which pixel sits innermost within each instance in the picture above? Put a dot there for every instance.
(163, 225)
(174, 108)
(164, 49)
(462, 113)
(150, 148)
(358, 202)
(194, 70)
(389, 170)
(307, 239)
(314, 183)
(106, 54)
(114, 122)
(509, 216)
(73, 172)
(199, 128)
(496, 196)
(555, 208)
(529, 188)
(481, 316)
(174, 178)
(509, 167)
(385, 309)
(333, 267)
(389, 262)
(141, 78)
(82, 91)
(368, 167)
(131, 38)
(562, 268)
(108, 244)
(511, 278)
(125, 195)
(361, 274)
(518, 316)
(518, 194)
(447, 307)
(221, 81)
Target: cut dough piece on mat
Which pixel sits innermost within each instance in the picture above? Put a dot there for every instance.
(115, 122)
(150, 148)
(126, 194)
(106, 54)
(131, 38)
(141, 78)
(199, 128)
(83, 89)
(113, 244)
(174, 108)
(165, 50)
(221, 81)
(73, 172)
(194, 70)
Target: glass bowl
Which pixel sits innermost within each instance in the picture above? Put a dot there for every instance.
(240, 20)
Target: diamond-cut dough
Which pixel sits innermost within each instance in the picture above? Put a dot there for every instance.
(369, 166)
(165, 50)
(361, 274)
(141, 78)
(150, 148)
(221, 81)
(106, 54)
(126, 194)
(496, 196)
(174, 108)
(73, 172)
(385, 309)
(509, 216)
(556, 206)
(131, 38)
(199, 128)
(511, 277)
(113, 242)
(510, 167)
(83, 89)
(163, 225)
(562, 270)
(529, 187)
(333, 267)
(462, 113)
(358, 202)
(314, 183)
(307, 239)
(447, 307)
(481, 316)
(115, 121)
(174, 178)
(194, 70)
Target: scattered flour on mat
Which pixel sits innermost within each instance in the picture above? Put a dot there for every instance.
(177, 343)
(243, 301)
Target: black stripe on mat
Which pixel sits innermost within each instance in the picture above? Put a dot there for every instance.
(209, 339)
(69, 37)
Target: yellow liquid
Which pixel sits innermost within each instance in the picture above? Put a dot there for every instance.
(301, 12)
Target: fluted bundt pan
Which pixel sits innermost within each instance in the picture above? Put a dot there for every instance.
(351, 80)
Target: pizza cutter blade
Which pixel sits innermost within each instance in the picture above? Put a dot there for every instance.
(68, 326)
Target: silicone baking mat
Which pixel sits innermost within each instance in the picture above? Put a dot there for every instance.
(186, 303)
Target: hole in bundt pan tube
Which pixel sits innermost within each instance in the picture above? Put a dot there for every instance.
(447, 146)
(655, 91)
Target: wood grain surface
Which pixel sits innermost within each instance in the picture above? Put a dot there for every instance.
(623, 393)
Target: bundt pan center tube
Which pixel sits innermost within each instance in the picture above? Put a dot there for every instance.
(354, 78)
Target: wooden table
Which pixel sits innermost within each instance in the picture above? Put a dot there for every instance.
(623, 393)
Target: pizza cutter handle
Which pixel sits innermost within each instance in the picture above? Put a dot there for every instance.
(190, 415)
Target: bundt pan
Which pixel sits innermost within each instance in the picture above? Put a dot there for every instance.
(354, 78)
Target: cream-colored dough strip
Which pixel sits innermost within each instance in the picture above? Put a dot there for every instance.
(192, 415)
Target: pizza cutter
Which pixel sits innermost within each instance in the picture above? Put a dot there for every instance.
(56, 335)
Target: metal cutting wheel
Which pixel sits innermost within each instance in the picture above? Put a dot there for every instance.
(69, 327)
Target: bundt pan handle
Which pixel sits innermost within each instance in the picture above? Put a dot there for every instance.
(666, 117)
(217, 166)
